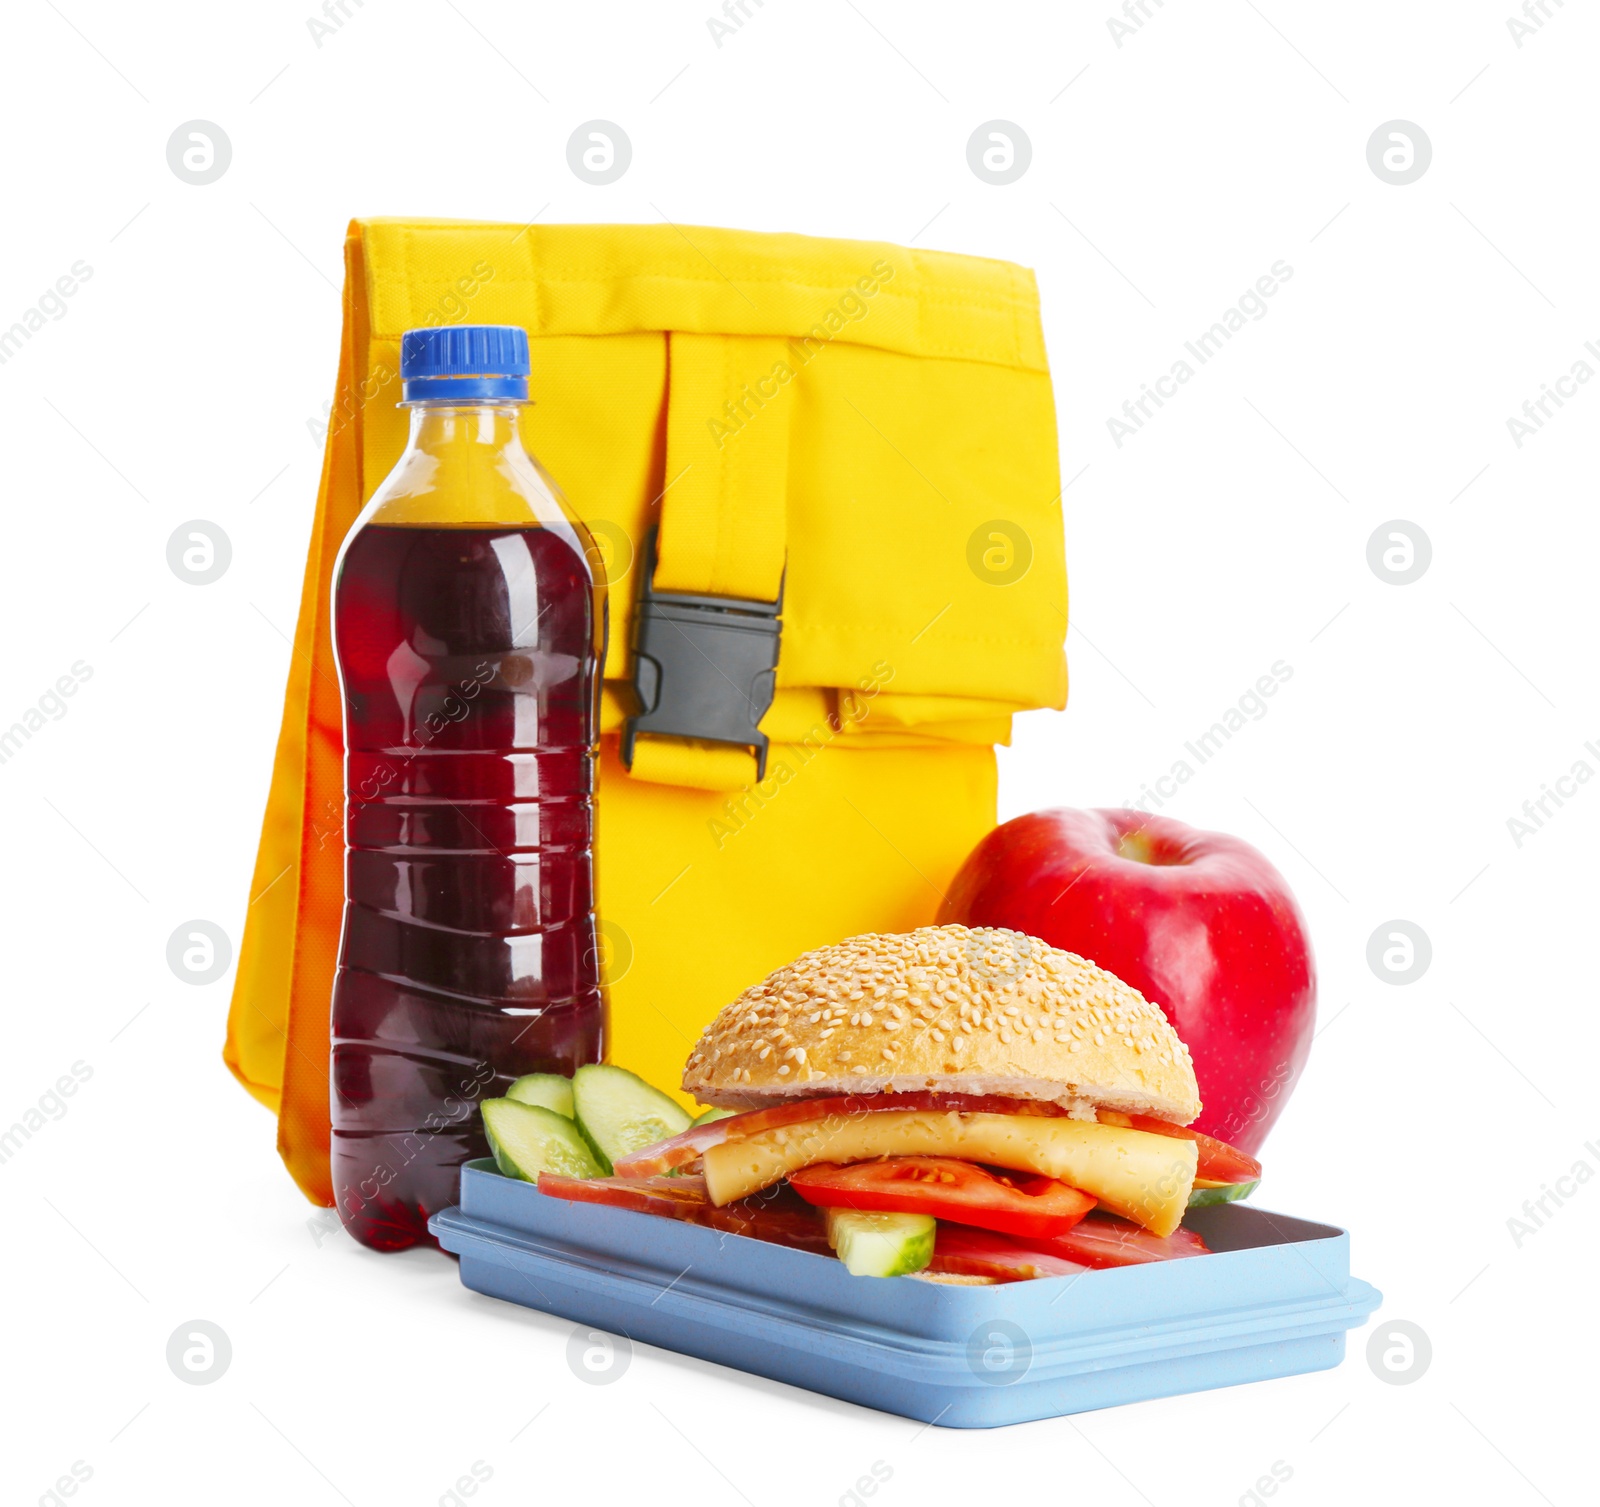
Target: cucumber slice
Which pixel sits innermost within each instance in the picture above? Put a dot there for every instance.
(619, 1112)
(1227, 1193)
(713, 1114)
(528, 1139)
(549, 1089)
(881, 1245)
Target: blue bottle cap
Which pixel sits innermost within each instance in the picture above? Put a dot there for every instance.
(460, 362)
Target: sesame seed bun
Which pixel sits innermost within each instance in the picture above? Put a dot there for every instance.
(951, 1009)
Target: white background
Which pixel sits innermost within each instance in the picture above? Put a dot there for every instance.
(1167, 175)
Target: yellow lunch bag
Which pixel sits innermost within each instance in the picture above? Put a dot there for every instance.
(858, 434)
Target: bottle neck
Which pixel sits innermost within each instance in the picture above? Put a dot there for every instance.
(466, 464)
(465, 428)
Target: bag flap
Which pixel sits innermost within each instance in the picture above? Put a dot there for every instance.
(922, 515)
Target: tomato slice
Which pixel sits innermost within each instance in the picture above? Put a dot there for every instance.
(1219, 1162)
(1012, 1203)
(645, 1195)
(1099, 1240)
(1104, 1240)
(775, 1216)
(681, 1149)
(961, 1251)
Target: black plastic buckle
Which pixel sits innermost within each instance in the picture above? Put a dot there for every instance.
(703, 666)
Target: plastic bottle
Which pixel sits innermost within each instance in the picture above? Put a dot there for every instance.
(469, 628)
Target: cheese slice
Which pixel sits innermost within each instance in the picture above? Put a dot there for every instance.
(1134, 1173)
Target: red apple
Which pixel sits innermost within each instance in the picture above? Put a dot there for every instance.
(1197, 921)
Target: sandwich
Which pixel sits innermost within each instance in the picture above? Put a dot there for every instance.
(972, 1104)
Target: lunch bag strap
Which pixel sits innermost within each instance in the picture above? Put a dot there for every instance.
(707, 626)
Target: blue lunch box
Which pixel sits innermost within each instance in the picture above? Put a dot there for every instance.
(1274, 1299)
